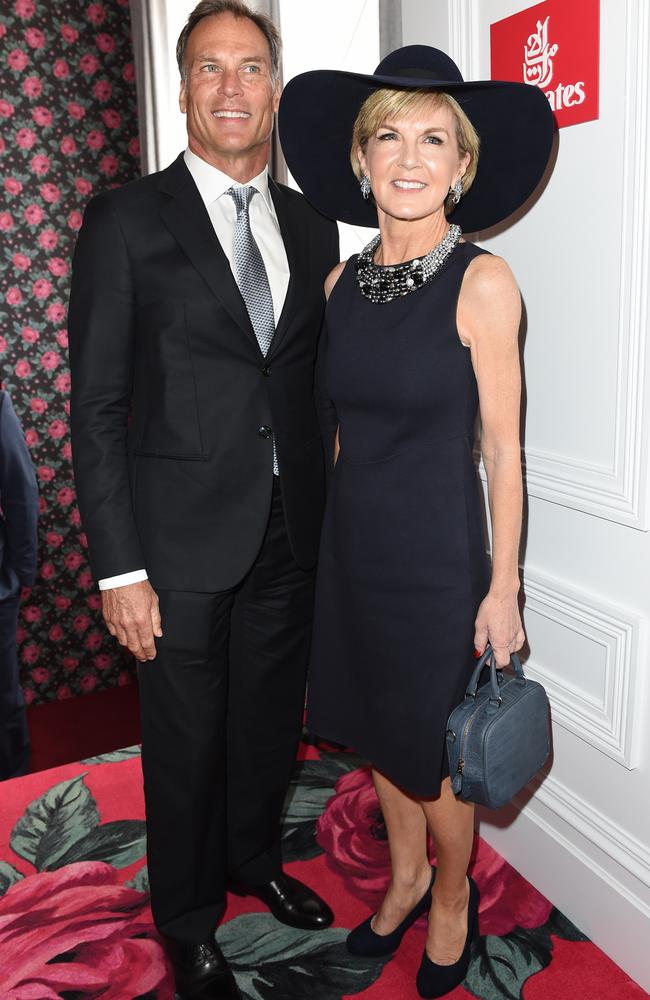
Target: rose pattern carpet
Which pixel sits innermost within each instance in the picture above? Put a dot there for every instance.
(75, 921)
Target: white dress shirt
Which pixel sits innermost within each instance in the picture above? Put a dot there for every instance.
(212, 185)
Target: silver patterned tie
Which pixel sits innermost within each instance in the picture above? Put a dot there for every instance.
(252, 279)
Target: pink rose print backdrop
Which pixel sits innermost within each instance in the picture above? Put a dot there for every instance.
(68, 130)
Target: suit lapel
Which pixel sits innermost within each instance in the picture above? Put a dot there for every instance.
(187, 219)
(297, 249)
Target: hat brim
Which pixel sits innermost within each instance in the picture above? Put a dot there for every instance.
(514, 122)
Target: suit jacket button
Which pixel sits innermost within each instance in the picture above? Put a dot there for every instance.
(266, 370)
(265, 432)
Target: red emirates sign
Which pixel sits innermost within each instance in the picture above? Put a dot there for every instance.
(555, 46)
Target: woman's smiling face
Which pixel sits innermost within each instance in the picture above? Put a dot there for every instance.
(413, 161)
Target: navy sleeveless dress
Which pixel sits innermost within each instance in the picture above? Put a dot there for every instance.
(402, 567)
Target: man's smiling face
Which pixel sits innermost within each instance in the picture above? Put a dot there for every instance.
(229, 95)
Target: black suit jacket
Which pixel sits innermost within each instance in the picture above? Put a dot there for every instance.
(170, 389)
(18, 504)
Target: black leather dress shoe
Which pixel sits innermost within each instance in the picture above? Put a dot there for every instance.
(202, 972)
(290, 902)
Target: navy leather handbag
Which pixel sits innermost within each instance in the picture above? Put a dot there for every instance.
(499, 736)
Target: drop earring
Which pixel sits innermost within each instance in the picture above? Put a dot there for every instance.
(456, 192)
(365, 186)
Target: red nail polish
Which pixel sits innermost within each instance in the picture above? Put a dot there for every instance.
(477, 654)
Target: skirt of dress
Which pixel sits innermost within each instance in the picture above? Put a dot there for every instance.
(401, 574)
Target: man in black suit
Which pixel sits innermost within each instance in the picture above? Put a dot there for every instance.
(194, 317)
(18, 552)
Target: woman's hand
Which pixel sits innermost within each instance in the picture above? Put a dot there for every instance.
(498, 622)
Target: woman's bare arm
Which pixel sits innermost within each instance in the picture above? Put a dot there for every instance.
(489, 313)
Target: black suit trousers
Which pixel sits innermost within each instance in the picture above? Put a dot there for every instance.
(222, 708)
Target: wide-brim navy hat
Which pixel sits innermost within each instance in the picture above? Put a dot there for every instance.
(514, 122)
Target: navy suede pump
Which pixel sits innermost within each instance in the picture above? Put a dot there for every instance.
(435, 980)
(363, 940)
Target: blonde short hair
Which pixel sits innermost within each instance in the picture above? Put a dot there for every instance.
(389, 103)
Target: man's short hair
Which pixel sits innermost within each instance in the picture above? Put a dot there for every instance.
(208, 8)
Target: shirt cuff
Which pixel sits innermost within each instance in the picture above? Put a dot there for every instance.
(135, 576)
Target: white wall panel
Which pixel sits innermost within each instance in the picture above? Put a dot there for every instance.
(156, 27)
(586, 236)
(586, 652)
(580, 255)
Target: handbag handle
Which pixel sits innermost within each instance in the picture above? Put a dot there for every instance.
(488, 655)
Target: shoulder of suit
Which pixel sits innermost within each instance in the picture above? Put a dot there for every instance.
(133, 195)
(126, 196)
(299, 202)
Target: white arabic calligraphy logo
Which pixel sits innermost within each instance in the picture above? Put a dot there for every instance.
(538, 56)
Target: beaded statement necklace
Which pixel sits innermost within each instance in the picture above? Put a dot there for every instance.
(383, 284)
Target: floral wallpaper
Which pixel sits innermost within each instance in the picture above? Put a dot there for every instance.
(68, 129)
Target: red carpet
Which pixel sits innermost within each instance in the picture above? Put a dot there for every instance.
(75, 921)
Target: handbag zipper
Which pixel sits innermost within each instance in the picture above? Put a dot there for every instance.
(460, 767)
(468, 725)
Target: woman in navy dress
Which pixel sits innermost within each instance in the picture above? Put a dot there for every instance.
(421, 335)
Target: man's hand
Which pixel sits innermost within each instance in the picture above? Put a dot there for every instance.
(132, 616)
